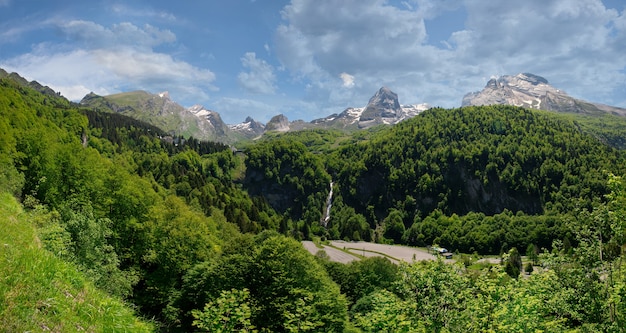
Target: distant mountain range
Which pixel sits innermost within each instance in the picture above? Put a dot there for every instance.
(160, 110)
(382, 108)
(533, 91)
(524, 90)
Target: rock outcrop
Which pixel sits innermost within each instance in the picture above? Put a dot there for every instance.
(383, 108)
(278, 123)
(250, 128)
(533, 91)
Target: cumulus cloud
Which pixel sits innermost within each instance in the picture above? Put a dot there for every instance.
(260, 78)
(337, 36)
(95, 35)
(375, 41)
(108, 60)
(348, 80)
(574, 44)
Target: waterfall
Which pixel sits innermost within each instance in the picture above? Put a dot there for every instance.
(329, 203)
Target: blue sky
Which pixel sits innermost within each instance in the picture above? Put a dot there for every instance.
(311, 58)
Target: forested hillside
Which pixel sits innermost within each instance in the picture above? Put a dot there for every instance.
(134, 210)
(195, 236)
(473, 178)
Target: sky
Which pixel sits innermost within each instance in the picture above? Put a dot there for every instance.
(308, 59)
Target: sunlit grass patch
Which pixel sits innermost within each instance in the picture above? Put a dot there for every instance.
(39, 292)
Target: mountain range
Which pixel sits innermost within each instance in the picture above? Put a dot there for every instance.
(523, 90)
(197, 121)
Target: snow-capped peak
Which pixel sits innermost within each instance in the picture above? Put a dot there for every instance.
(199, 111)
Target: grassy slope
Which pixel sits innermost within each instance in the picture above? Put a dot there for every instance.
(39, 292)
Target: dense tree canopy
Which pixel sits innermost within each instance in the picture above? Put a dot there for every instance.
(198, 237)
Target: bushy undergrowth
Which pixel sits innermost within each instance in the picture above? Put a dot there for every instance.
(39, 292)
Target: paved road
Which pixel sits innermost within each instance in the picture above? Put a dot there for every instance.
(334, 254)
(395, 253)
(399, 252)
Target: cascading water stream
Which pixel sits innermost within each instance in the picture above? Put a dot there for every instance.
(329, 203)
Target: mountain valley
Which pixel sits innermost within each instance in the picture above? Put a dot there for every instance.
(131, 204)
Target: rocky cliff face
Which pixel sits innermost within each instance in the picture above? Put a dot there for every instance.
(533, 91)
(383, 108)
(278, 123)
(250, 128)
(159, 110)
(210, 123)
(384, 104)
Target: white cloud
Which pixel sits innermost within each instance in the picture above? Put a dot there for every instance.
(574, 44)
(374, 41)
(338, 36)
(348, 80)
(95, 35)
(13, 33)
(579, 45)
(109, 60)
(260, 78)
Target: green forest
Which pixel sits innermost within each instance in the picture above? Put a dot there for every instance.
(110, 224)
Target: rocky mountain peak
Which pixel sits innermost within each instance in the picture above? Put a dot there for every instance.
(198, 110)
(524, 89)
(278, 123)
(250, 128)
(383, 108)
(492, 83)
(255, 125)
(384, 104)
(533, 91)
(385, 99)
(532, 78)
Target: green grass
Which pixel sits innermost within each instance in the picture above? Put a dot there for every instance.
(39, 292)
(353, 250)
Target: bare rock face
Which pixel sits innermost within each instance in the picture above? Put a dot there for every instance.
(278, 123)
(250, 128)
(533, 91)
(525, 90)
(210, 123)
(384, 104)
(382, 108)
